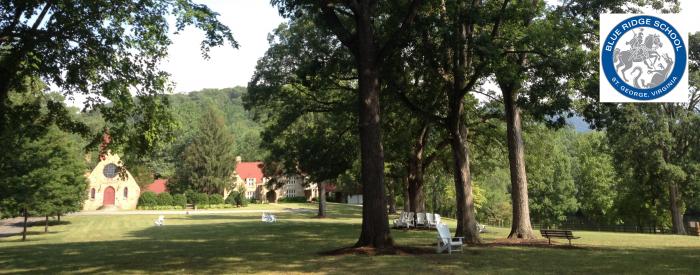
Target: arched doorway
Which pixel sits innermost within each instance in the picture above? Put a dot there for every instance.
(108, 196)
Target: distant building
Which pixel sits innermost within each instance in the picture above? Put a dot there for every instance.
(107, 189)
(158, 186)
(250, 175)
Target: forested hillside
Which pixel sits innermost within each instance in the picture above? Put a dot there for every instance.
(187, 109)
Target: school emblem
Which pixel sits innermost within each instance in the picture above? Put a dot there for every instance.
(643, 59)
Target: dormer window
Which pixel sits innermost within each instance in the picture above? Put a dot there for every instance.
(250, 182)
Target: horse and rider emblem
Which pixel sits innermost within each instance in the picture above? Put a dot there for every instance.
(650, 66)
(643, 58)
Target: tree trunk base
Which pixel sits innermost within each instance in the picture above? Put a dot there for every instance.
(521, 233)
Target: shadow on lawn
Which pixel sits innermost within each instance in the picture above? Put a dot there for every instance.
(287, 246)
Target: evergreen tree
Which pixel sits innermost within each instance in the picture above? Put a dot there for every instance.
(42, 177)
(208, 161)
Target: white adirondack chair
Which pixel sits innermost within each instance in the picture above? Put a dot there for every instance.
(160, 221)
(430, 220)
(411, 218)
(402, 221)
(438, 221)
(267, 217)
(446, 241)
(481, 228)
(421, 220)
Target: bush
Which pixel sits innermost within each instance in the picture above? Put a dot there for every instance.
(242, 201)
(190, 195)
(253, 200)
(216, 199)
(148, 199)
(200, 199)
(180, 200)
(237, 198)
(165, 199)
(293, 199)
(231, 199)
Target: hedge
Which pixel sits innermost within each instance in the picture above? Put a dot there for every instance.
(148, 199)
(216, 199)
(179, 200)
(165, 199)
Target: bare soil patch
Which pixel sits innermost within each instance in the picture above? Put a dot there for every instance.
(543, 243)
(371, 251)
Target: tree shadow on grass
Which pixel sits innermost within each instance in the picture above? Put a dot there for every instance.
(244, 246)
(29, 233)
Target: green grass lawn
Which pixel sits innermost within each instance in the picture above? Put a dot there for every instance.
(241, 243)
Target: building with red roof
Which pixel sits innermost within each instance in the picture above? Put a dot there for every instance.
(250, 170)
(250, 175)
(158, 186)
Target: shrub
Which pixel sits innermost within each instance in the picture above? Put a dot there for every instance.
(216, 199)
(253, 200)
(231, 199)
(293, 199)
(190, 195)
(180, 200)
(242, 201)
(148, 199)
(165, 199)
(200, 199)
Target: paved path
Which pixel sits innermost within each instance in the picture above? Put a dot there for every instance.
(185, 212)
(13, 226)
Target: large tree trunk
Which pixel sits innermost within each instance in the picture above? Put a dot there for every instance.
(375, 220)
(466, 218)
(58, 217)
(416, 171)
(392, 201)
(46, 224)
(321, 200)
(521, 227)
(406, 196)
(24, 229)
(676, 215)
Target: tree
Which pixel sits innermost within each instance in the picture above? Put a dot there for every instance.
(208, 161)
(667, 156)
(104, 50)
(595, 177)
(355, 26)
(42, 177)
(301, 91)
(552, 189)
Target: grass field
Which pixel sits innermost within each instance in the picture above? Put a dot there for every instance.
(240, 243)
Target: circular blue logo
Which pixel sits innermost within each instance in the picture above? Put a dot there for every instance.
(644, 57)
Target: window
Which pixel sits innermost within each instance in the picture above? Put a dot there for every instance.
(92, 193)
(249, 194)
(126, 192)
(110, 170)
(292, 181)
(290, 193)
(250, 182)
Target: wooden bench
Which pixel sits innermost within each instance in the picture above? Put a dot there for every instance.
(562, 234)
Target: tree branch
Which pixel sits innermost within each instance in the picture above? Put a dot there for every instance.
(418, 110)
(398, 36)
(343, 34)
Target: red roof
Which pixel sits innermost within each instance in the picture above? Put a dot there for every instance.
(247, 170)
(158, 186)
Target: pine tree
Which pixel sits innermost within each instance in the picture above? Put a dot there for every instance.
(208, 161)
